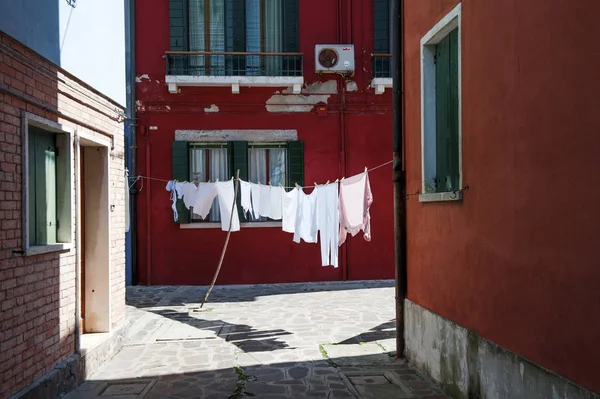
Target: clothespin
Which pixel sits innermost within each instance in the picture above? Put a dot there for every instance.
(327, 182)
(342, 179)
(297, 186)
(365, 169)
(217, 180)
(316, 184)
(269, 182)
(336, 180)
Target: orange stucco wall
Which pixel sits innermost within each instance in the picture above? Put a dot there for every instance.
(518, 260)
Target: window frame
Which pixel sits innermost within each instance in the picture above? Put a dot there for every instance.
(65, 193)
(440, 31)
(207, 146)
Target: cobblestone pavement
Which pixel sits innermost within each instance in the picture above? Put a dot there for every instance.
(318, 340)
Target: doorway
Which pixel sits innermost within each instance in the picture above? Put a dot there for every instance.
(94, 208)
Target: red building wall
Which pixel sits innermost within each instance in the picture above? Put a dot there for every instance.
(355, 133)
(517, 259)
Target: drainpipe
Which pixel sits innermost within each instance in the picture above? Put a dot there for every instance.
(399, 172)
(77, 188)
(131, 139)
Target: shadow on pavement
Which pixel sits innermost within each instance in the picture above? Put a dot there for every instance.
(363, 377)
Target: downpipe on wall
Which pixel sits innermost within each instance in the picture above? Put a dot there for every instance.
(399, 172)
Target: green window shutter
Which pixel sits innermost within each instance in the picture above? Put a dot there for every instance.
(238, 156)
(178, 21)
(442, 128)
(178, 24)
(235, 35)
(453, 114)
(32, 192)
(296, 162)
(290, 26)
(42, 194)
(181, 172)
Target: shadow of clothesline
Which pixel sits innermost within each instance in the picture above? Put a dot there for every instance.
(245, 337)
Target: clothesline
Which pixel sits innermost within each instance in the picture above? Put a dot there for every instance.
(140, 177)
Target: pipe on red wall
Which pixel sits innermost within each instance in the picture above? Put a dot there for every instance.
(148, 217)
(399, 172)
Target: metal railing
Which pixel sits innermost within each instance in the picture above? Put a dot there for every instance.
(203, 63)
(382, 65)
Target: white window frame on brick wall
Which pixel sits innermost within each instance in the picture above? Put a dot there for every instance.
(65, 195)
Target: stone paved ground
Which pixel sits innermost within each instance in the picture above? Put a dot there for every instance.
(318, 340)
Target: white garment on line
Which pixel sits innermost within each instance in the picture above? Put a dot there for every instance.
(226, 195)
(289, 205)
(355, 200)
(203, 199)
(189, 191)
(265, 198)
(276, 194)
(255, 191)
(306, 217)
(171, 188)
(179, 188)
(246, 189)
(328, 223)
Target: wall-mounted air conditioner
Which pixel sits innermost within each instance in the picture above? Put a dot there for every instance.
(334, 58)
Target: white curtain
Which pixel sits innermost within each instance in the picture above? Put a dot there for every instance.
(217, 36)
(196, 29)
(257, 170)
(218, 170)
(273, 36)
(197, 19)
(277, 166)
(257, 164)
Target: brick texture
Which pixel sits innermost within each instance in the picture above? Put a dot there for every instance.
(37, 293)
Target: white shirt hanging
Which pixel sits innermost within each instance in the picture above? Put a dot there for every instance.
(203, 199)
(226, 195)
(289, 205)
(355, 200)
(328, 223)
(246, 190)
(306, 217)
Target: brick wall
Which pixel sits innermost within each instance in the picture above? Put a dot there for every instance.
(37, 293)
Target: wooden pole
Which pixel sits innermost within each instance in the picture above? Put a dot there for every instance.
(212, 285)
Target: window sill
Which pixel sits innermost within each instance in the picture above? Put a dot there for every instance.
(44, 249)
(174, 82)
(380, 84)
(217, 225)
(441, 197)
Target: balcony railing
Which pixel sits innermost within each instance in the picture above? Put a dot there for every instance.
(201, 63)
(382, 65)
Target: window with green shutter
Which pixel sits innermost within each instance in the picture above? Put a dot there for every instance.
(381, 39)
(267, 163)
(440, 91)
(233, 26)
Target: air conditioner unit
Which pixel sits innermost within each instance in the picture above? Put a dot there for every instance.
(334, 58)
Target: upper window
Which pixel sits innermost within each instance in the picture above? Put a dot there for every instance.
(265, 163)
(246, 37)
(48, 189)
(441, 106)
(381, 39)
